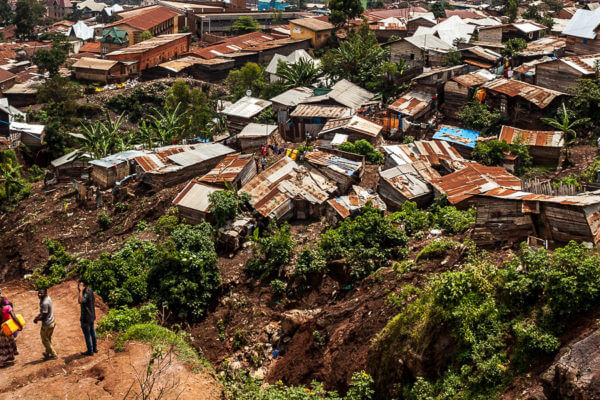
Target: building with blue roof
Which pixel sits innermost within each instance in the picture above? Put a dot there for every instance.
(462, 139)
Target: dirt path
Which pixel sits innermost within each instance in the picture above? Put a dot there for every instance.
(107, 375)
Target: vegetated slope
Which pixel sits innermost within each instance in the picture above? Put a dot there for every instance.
(106, 375)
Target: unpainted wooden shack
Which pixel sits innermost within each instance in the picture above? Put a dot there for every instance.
(408, 182)
(254, 135)
(193, 203)
(233, 171)
(355, 128)
(544, 146)
(460, 90)
(111, 169)
(340, 208)
(563, 73)
(342, 167)
(73, 165)
(243, 111)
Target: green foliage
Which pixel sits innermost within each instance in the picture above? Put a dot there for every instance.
(490, 152)
(244, 24)
(141, 226)
(278, 287)
(310, 261)
(185, 275)
(585, 100)
(522, 307)
(365, 243)
(145, 36)
(439, 9)
(36, 173)
(412, 218)
(364, 148)
(249, 77)
(436, 249)
(360, 60)
(453, 58)
(121, 207)
(511, 10)
(6, 13)
(162, 128)
(135, 103)
(512, 47)
(453, 220)
(100, 139)
(197, 105)
(344, 10)
(28, 15)
(225, 205)
(13, 187)
(49, 60)
(302, 73)
(565, 124)
(590, 174)
(122, 318)
(479, 117)
(56, 268)
(271, 251)
(104, 220)
(166, 224)
(267, 116)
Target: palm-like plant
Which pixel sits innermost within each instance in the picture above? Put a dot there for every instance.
(302, 73)
(10, 180)
(102, 138)
(565, 125)
(168, 125)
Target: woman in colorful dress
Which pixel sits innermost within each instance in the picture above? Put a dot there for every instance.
(8, 346)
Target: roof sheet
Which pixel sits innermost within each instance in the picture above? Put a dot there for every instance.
(149, 44)
(475, 78)
(319, 111)
(411, 103)
(528, 27)
(460, 136)
(293, 96)
(355, 123)
(313, 24)
(583, 200)
(292, 58)
(233, 44)
(146, 19)
(346, 93)
(82, 31)
(411, 180)
(474, 179)
(227, 169)
(544, 46)
(334, 162)
(583, 24)
(90, 47)
(532, 138)
(195, 196)
(431, 151)
(345, 205)
(254, 130)
(537, 95)
(585, 64)
(95, 63)
(67, 158)
(246, 107)
(428, 41)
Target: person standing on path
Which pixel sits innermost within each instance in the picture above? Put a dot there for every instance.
(88, 316)
(46, 315)
(8, 346)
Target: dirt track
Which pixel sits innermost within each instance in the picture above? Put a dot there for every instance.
(107, 375)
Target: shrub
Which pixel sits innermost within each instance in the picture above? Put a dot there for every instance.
(479, 117)
(310, 261)
(225, 205)
(13, 187)
(278, 287)
(271, 251)
(121, 207)
(166, 224)
(590, 174)
(365, 243)
(364, 148)
(454, 220)
(436, 249)
(36, 173)
(122, 318)
(411, 217)
(104, 221)
(141, 226)
(56, 268)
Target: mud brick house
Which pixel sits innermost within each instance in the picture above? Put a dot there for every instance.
(509, 215)
(105, 71)
(243, 112)
(343, 207)
(192, 202)
(460, 90)
(544, 146)
(407, 182)
(463, 140)
(582, 33)
(152, 52)
(417, 52)
(59, 9)
(527, 30)
(341, 167)
(315, 29)
(287, 190)
(352, 128)
(521, 102)
(437, 153)
(113, 168)
(414, 23)
(309, 119)
(157, 20)
(461, 186)
(233, 171)
(563, 73)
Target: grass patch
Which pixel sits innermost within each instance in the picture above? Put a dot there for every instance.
(436, 249)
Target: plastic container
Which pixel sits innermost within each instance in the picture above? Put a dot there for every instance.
(10, 326)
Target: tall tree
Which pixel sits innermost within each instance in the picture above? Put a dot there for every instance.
(512, 10)
(6, 13)
(244, 24)
(249, 77)
(302, 73)
(28, 15)
(342, 11)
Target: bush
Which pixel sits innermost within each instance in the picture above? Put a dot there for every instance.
(36, 173)
(271, 251)
(364, 148)
(590, 174)
(104, 221)
(365, 243)
(453, 220)
(141, 226)
(56, 268)
(135, 103)
(411, 217)
(436, 249)
(89, 110)
(13, 187)
(225, 205)
(278, 287)
(122, 318)
(166, 224)
(310, 261)
(121, 207)
(479, 117)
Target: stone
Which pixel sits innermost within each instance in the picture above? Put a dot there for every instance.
(293, 319)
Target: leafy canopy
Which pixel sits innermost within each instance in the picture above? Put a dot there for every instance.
(244, 24)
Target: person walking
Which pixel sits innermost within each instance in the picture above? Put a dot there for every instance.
(46, 316)
(88, 317)
(263, 163)
(8, 346)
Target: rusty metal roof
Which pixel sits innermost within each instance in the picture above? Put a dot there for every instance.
(355, 123)
(475, 179)
(411, 180)
(272, 192)
(583, 200)
(345, 205)
(411, 104)
(431, 151)
(544, 46)
(476, 78)
(532, 138)
(195, 196)
(585, 64)
(318, 111)
(227, 169)
(334, 162)
(537, 95)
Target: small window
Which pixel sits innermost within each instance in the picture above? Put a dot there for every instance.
(412, 56)
(585, 41)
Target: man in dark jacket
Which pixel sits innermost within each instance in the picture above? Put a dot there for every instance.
(88, 317)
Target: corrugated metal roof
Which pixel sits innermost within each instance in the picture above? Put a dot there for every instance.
(544, 46)
(246, 107)
(346, 93)
(313, 24)
(345, 205)
(411, 180)
(293, 96)
(355, 123)
(67, 158)
(95, 63)
(411, 104)
(528, 26)
(537, 95)
(474, 179)
(583, 200)
(228, 169)
(334, 162)
(585, 64)
(117, 158)
(460, 136)
(189, 155)
(147, 45)
(318, 111)
(254, 130)
(428, 42)
(149, 162)
(532, 138)
(484, 53)
(195, 196)
(431, 151)
(475, 78)
(583, 24)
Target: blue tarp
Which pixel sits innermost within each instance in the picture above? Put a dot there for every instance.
(272, 5)
(452, 134)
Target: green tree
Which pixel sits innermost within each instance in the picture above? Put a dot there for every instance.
(196, 104)
(512, 10)
(13, 187)
(512, 47)
(342, 11)
(548, 22)
(271, 251)
(28, 15)
(478, 116)
(163, 127)
(453, 58)
(375, 4)
(102, 138)
(302, 73)
(562, 122)
(244, 24)
(249, 77)
(361, 60)
(225, 205)
(6, 13)
(439, 9)
(49, 60)
(532, 12)
(490, 152)
(585, 100)
(145, 36)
